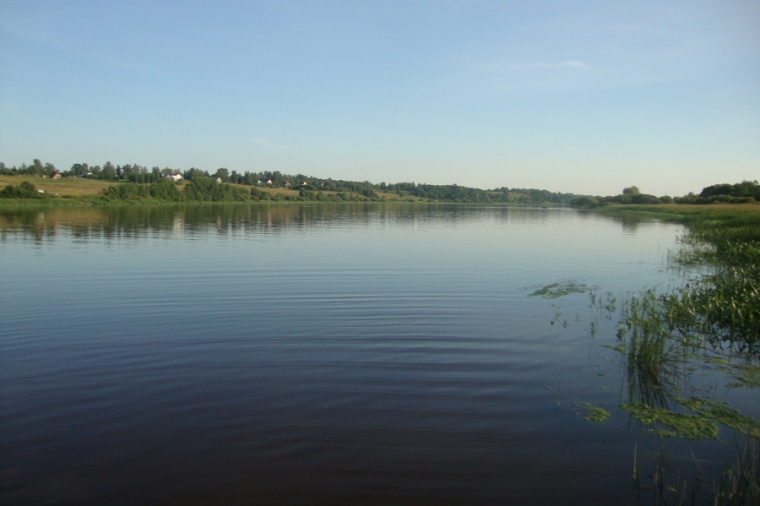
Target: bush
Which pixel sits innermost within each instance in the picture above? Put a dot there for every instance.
(25, 190)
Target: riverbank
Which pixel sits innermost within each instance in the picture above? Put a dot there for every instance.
(684, 213)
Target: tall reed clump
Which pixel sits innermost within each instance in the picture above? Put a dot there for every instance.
(651, 354)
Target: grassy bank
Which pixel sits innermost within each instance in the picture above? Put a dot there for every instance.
(687, 213)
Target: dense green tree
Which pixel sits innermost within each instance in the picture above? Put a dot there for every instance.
(79, 170)
(193, 173)
(585, 202)
(223, 174)
(631, 190)
(109, 172)
(739, 191)
(165, 189)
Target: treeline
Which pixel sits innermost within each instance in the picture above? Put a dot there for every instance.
(746, 191)
(309, 188)
(456, 193)
(739, 193)
(207, 189)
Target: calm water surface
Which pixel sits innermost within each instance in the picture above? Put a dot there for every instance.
(313, 355)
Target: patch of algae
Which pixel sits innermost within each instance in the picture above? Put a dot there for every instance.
(559, 289)
(673, 424)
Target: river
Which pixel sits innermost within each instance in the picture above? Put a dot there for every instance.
(296, 354)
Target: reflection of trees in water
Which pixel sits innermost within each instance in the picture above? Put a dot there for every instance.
(175, 221)
(629, 222)
(179, 220)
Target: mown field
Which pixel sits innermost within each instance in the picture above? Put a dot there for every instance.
(74, 186)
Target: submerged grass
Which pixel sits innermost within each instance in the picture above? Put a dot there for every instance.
(739, 483)
(690, 481)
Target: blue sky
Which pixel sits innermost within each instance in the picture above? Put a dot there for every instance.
(585, 97)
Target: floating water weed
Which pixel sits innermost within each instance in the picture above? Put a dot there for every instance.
(724, 414)
(559, 289)
(597, 415)
(746, 375)
(668, 423)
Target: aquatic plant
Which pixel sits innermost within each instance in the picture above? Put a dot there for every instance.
(559, 289)
(711, 321)
(724, 414)
(669, 423)
(739, 482)
(597, 415)
(652, 356)
(682, 480)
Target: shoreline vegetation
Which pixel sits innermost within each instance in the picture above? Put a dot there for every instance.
(665, 337)
(73, 190)
(110, 184)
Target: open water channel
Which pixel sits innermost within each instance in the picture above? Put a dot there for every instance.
(295, 354)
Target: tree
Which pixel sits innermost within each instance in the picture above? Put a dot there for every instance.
(193, 172)
(79, 169)
(36, 169)
(222, 174)
(631, 190)
(585, 202)
(109, 172)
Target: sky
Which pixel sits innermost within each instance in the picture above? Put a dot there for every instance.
(586, 97)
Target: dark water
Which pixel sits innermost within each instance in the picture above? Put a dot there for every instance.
(313, 355)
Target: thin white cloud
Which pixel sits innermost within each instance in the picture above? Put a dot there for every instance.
(264, 143)
(577, 64)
